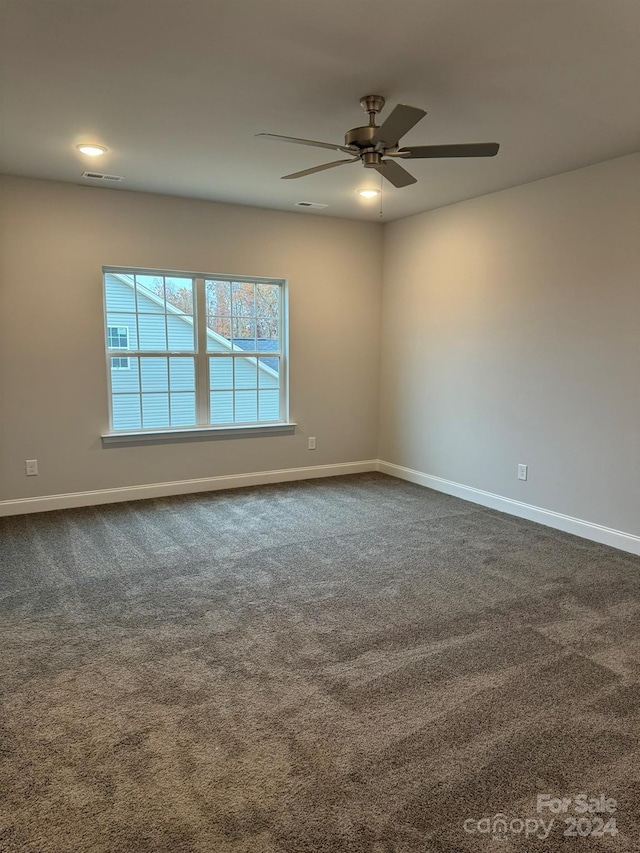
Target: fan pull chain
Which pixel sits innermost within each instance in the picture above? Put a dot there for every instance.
(381, 182)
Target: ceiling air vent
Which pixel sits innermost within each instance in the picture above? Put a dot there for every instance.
(313, 205)
(98, 176)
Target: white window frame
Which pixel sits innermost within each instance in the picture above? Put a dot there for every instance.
(201, 358)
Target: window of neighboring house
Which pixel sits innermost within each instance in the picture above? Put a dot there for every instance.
(203, 351)
(118, 339)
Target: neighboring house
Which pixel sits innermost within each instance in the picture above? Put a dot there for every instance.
(158, 390)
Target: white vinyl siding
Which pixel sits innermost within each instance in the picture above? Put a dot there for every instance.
(194, 369)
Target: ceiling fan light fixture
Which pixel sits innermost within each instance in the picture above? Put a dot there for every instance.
(368, 193)
(91, 150)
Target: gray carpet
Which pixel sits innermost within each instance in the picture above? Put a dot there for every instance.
(343, 665)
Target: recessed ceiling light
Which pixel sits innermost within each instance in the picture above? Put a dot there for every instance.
(91, 150)
(368, 193)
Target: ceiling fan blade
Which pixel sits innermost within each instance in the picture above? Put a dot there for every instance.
(473, 149)
(311, 142)
(318, 169)
(395, 174)
(399, 122)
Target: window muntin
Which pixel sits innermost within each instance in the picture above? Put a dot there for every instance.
(202, 351)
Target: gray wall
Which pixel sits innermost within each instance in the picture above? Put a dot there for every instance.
(511, 333)
(53, 384)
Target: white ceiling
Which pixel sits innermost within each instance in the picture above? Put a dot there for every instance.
(177, 89)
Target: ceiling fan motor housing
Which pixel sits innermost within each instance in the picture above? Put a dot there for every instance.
(372, 103)
(360, 136)
(371, 159)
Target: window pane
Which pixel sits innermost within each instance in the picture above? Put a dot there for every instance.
(219, 334)
(155, 410)
(244, 333)
(179, 294)
(267, 334)
(221, 407)
(122, 321)
(220, 373)
(154, 374)
(218, 298)
(118, 291)
(150, 293)
(246, 373)
(246, 406)
(268, 372)
(181, 333)
(243, 297)
(119, 363)
(182, 374)
(267, 300)
(126, 411)
(269, 405)
(123, 381)
(118, 337)
(183, 409)
(152, 331)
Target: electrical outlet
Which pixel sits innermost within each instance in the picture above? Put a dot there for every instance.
(312, 442)
(522, 471)
(31, 467)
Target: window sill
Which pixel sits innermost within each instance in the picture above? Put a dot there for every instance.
(197, 433)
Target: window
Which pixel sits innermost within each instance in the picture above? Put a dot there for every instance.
(118, 338)
(194, 351)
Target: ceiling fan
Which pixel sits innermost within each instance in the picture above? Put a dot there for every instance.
(377, 147)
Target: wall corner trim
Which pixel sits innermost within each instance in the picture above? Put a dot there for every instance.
(586, 529)
(44, 503)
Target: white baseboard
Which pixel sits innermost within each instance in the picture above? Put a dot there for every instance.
(586, 529)
(180, 487)
(579, 527)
